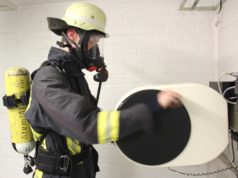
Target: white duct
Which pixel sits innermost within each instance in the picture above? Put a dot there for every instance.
(209, 124)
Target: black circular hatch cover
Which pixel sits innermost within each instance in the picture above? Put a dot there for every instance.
(172, 133)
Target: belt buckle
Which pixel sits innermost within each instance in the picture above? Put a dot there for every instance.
(64, 163)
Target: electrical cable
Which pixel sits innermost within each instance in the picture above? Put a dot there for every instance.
(224, 93)
(205, 173)
(219, 79)
(220, 6)
(219, 85)
(233, 97)
(233, 153)
(231, 145)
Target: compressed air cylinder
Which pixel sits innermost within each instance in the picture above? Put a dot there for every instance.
(17, 82)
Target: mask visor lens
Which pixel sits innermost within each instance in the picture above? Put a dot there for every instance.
(95, 46)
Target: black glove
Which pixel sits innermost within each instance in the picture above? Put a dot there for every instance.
(154, 106)
(101, 76)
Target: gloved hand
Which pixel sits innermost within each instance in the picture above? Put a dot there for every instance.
(101, 76)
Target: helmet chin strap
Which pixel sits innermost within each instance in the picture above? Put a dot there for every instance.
(74, 48)
(70, 43)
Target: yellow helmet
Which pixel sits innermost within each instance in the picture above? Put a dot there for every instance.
(83, 15)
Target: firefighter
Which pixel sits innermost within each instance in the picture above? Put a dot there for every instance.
(62, 112)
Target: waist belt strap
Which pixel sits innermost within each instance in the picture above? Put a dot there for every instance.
(52, 163)
(80, 157)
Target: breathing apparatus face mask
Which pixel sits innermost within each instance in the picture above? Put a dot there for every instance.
(92, 55)
(92, 51)
(89, 53)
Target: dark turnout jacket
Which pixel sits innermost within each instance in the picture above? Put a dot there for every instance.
(62, 106)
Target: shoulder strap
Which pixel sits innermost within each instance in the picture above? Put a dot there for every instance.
(56, 63)
(39, 142)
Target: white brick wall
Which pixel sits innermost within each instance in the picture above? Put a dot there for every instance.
(151, 43)
(227, 38)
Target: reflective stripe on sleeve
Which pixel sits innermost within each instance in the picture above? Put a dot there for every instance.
(114, 119)
(108, 126)
(102, 126)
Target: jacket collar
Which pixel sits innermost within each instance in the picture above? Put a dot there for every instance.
(69, 63)
(57, 54)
